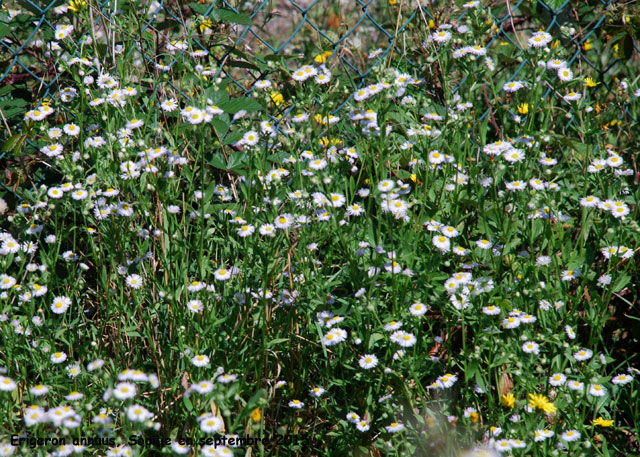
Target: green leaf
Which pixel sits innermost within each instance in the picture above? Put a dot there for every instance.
(554, 4)
(236, 51)
(217, 95)
(276, 57)
(246, 103)
(132, 331)
(12, 112)
(472, 369)
(499, 361)
(14, 142)
(167, 24)
(23, 20)
(236, 160)
(277, 341)
(220, 126)
(586, 227)
(198, 8)
(480, 380)
(221, 14)
(233, 137)
(208, 194)
(620, 283)
(33, 7)
(13, 103)
(626, 47)
(217, 161)
(242, 64)
(4, 30)
(6, 89)
(374, 338)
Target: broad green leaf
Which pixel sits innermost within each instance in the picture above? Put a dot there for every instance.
(241, 64)
(621, 282)
(12, 112)
(374, 338)
(17, 102)
(217, 161)
(220, 126)
(237, 104)
(6, 89)
(221, 14)
(232, 137)
(15, 142)
(217, 95)
(236, 160)
(4, 30)
(198, 8)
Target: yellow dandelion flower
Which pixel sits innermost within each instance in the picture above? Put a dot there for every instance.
(76, 5)
(539, 401)
(603, 422)
(205, 24)
(590, 82)
(256, 415)
(277, 98)
(508, 400)
(322, 58)
(523, 108)
(549, 407)
(324, 141)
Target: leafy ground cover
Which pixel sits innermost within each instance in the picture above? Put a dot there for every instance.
(440, 261)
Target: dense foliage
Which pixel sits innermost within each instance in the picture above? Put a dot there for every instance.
(201, 240)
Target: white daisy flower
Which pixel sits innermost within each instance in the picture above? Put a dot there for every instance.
(368, 361)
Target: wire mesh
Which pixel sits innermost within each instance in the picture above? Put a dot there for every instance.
(367, 25)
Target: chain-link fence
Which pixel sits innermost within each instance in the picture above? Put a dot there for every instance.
(356, 36)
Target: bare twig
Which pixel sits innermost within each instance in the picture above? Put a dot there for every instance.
(513, 27)
(424, 19)
(395, 34)
(492, 119)
(6, 124)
